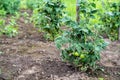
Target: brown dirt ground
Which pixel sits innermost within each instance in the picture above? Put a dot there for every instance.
(29, 56)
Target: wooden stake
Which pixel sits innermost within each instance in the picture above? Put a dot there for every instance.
(77, 11)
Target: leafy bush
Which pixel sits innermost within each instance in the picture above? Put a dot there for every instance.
(48, 17)
(111, 20)
(2, 13)
(9, 30)
(81, 47)
(80, 44)
(10, 6)
(32, 4)
(88, 11)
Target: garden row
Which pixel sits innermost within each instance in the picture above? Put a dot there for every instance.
(81, 42)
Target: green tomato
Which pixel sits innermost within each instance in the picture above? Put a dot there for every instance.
(82, 56)
(76, 54)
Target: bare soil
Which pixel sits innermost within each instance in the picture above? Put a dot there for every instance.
(29, 56)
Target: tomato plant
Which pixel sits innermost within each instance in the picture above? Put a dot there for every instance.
(47, 17)
(10, 6)
(81, 44)
(111, 20)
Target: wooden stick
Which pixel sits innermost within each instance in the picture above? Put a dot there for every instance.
(77, 11)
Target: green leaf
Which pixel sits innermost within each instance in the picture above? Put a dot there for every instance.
(97, 48)
(94, 11)
(93, 5)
